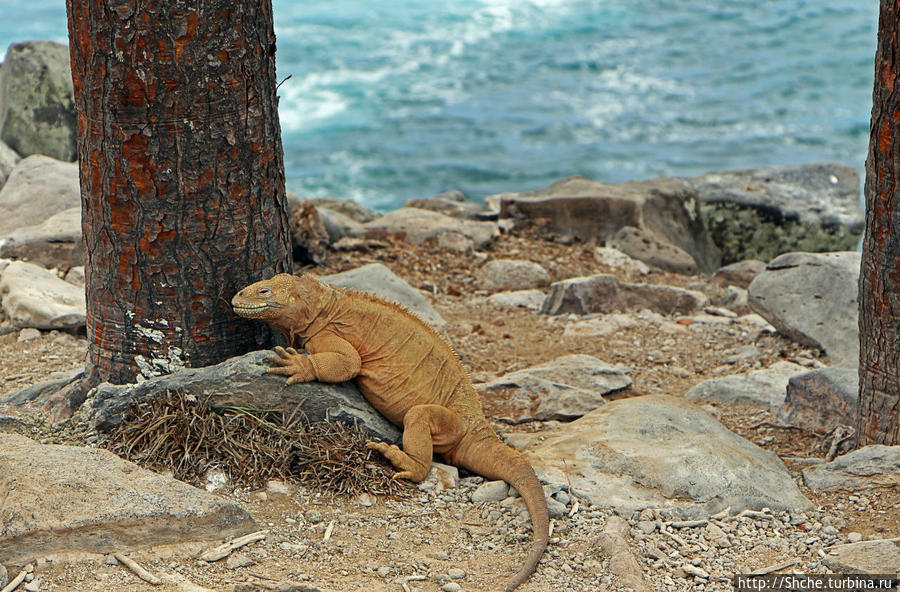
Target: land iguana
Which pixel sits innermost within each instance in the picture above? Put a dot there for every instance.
(406, 370)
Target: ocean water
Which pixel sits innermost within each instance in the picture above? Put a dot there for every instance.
(388, 101)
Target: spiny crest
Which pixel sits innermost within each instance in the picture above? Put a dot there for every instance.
(374, 298)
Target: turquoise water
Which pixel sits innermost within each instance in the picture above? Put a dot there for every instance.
(388, 101)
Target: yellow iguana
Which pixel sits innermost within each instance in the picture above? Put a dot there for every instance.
(406, 370)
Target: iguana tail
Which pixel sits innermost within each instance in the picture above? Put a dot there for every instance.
(493, 459)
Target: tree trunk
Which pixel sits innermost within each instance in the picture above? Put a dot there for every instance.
(182, 178)
(878, 419)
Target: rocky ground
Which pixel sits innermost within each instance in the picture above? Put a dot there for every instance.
(439, 539)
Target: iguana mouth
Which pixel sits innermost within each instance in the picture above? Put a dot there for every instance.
(249, 308)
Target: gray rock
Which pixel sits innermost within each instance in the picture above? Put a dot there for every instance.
(67, 498)
(583, 209)
(8, 161)
(530, 299)
(765, 388)
(812, 299)
(562, 389)
(339, 225)
(440, 477)
(346, 207)
(618, 260)
(821, 400)
(870, 466)
(418, 225)
(658, 451)
(643, 246)
(761, 213)
(512, 274)
(37, 188)
(75, 276)
(599, 326)
(55, 242)
(40, 393)
(35, 297)
(604, 293)
(739, 274)
(377, 279)
(242, 381)
(37, 104)
(309, 236)
(490, 491)
(868, 557)
(4, 577)
(453, 203)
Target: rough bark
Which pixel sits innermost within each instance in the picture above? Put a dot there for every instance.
(182, 177)
(878, 419)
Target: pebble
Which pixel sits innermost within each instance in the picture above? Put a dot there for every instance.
(451, 587)
(490, 491)
(4, 577)
(111, 560)
(854, 537)
(33, 586)
(455, 573)
(313, 516)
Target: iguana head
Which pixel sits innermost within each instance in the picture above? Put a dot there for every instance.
(265, 299)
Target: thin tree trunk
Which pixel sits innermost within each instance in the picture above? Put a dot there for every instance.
(182, 177)
(878, 419)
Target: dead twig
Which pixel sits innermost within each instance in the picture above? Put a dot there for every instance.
(226, 549)
(137, 570)
(14, 583)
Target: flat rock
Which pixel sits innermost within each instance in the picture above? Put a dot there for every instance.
(870, 466)
(242, 381)
(530, 299)
(35, 297)
(765, 388)
(418, 225)
(453, 203)
(377, 279)
(584, 209)
(643, 246)
(67, 498)
(55, 242)
(868, 557)
(604, 293)
(661, 451)
(512, 274)
(37, 104)
(739, 273)
(347, 207)
(761, 213)
(563, 389)
(821, 399)
(599, 326)
(811, 298)
(37, 188)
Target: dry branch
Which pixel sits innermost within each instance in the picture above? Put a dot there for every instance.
(226, 549)
(137, 569)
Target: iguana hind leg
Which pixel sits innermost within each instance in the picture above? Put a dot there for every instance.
(426, 429)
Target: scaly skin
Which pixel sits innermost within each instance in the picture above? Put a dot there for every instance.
(406, 370)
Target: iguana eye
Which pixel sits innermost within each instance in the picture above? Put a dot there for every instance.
(265, 292)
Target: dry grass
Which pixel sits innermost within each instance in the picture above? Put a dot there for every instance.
(186, 436)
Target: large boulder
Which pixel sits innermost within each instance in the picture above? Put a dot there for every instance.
(812, 299)
(604, 293)
(37, 188)
(37, 104)
(584, 209)
(55, 242)
(565, 388)
(71, 499)
(243, 381)
(662, 451)
(453, 203)
(36, 297)
(377, 279)
(761, 213)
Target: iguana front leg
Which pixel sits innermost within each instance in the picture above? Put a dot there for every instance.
(330, 359)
